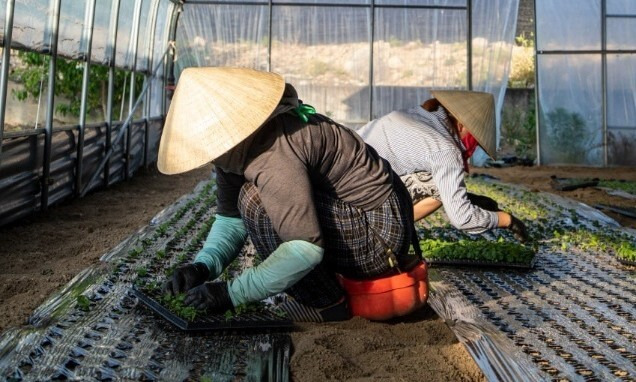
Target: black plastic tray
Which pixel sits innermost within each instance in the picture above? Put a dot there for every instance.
(570, 184)
(625, 211)
(476, 263)
(265, 320)
(626, 262)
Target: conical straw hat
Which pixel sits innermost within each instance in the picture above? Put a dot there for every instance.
(476, 111)
(212, 110)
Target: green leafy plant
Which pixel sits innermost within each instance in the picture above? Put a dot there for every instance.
(176, 305)
(522, 63)
(135, 252)
(627, 186)
(482, 250)
(250, 307)
(33, 69)
(518, 127)
(83, 303)
(160, 254)
(569, 140)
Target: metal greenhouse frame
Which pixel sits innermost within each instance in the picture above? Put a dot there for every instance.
(97, 155)
(592, 41)
(46, 165)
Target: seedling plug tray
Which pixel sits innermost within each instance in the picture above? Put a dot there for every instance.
(252, 320)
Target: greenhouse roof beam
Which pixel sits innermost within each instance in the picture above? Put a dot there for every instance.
(588, 51)
(329, 5)
(4, 74)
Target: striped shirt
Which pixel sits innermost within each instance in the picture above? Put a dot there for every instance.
(416, 140)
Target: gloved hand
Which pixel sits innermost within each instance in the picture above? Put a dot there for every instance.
(210, 296)
(483, 202)
(518, 229)
(187, 277)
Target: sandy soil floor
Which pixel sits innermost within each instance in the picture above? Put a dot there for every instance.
(41, 254)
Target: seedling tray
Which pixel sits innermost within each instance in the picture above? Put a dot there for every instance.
(568, 184)
(625, 211)
(477, 263)
(264, 320)
(626, 262)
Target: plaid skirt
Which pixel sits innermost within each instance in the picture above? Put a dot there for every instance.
(356, 241)
(421, 186)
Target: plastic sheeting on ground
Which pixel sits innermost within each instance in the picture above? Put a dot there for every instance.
(94, 329)
(573, 317)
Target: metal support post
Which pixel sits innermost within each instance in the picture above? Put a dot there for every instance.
(132, 44)
(469, 33)
(152, 22)
(270, 12)
(169, 67)
(371, 55)
(111, 54)
(537, 105)
(54, 24)
(87, 36)
(4, 71)
(604, 79)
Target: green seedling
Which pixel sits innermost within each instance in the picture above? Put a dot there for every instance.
(627, 186)
(142, 272)
(162, 229)
(250, 307)
(175, 305)
(83, 303)
(135, 252)
(160, 254)
(481, 250)
(626, 251)
(145, 243)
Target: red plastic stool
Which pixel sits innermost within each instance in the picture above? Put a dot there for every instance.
(387, 297)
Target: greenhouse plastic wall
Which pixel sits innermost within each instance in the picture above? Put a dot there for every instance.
(54, 161)
(333, 51)
(586, 75)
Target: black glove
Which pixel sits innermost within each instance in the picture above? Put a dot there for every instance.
(187, 277)
(518, 229)
(483, 202)
(211, 296)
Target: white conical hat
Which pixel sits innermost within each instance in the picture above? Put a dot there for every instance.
(476, 111)
(213, 110)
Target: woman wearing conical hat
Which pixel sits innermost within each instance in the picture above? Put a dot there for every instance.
(428, 146)
(312, 196)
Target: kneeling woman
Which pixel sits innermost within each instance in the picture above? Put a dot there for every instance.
(313, 197)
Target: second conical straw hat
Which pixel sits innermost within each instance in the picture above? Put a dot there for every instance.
(214, 109)
(476, 111)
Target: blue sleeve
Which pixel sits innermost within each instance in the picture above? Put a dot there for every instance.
(289, 263)
(224, 242)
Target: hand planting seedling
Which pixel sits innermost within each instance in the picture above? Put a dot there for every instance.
(176, 305)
